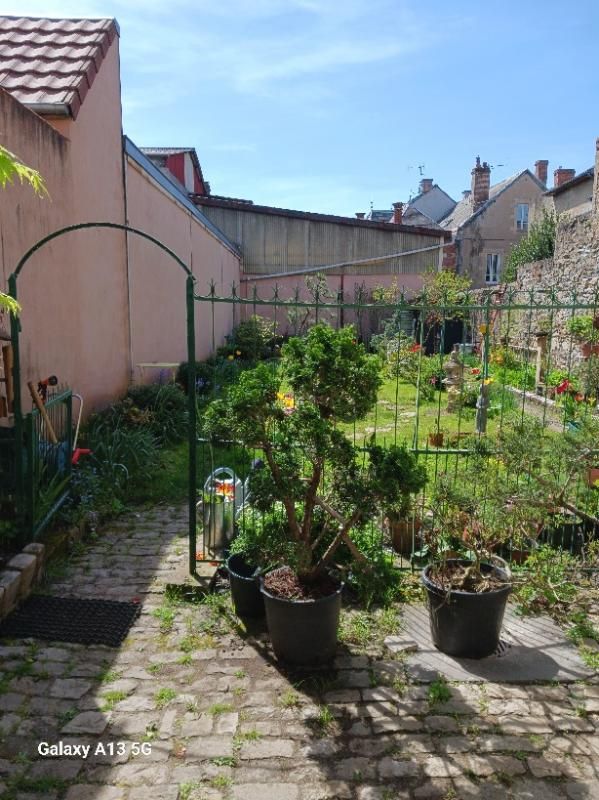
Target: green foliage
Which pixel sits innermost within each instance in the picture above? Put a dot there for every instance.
(333, 381)
(410, 364)
(262, 537)
(538, 244)
(583, 329)
(12, 168)
(545, 581)
(117, 445)
(160, 408)
(447, 295)
(254, 339)
(439, 692)
(588, 376)
(380, 584)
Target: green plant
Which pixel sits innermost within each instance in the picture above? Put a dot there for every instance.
(445, 295)
(289, 699)
(162, 408)
(334, 381)
(252, 340)
(11, 168)
(538, 244)
(438, 692)
(261, 537)
(217, 709)
(163, 697)
(583, 329)
(545, 581)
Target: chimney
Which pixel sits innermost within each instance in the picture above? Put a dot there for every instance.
(360, 214)
(481, 183)
(561, 175)
(426, 184)
(397, 213)
(541, 170)
(466, 194)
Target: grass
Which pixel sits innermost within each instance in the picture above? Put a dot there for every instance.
(111, 699)
(289, 699)
(163, 697)
(166, 616)
(439, 692)
(249, 736)
(220, 708)
(324, 720)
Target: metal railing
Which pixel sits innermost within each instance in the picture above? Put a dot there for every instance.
(47, 466)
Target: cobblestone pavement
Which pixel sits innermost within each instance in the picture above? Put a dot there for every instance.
(217, 718)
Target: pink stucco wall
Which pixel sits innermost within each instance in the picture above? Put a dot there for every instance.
(292, 286)
(94, 304)
(157, 283)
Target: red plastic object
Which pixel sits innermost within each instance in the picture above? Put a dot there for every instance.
(80, 451)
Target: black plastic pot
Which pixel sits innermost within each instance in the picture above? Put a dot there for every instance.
(466, 624)
(567, 534)
(303, 631)
(245, 590)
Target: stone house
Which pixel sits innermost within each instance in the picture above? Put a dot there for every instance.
(489, 220)
(571, 194)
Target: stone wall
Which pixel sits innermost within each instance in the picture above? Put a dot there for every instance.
(567, 281)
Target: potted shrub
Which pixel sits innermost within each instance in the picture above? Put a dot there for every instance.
(258, 544)
(399, 518)
(436, 436)
(467, 592)
(326, 485)
(586, 333)
(466, 596)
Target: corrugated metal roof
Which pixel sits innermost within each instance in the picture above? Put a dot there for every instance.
(166, 151)
(50, 64)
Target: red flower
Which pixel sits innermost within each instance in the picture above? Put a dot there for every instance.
(564, 386)
(475, 371)
(414, 348)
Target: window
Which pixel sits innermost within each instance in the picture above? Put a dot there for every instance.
(493, 265)
(522, 217)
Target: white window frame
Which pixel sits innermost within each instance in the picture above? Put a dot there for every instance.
(522, 211)
(493, 268)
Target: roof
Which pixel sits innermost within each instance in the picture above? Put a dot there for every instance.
(379, 215)
(180, 194)
(588, 174)
(49, 65)
(463, 211)
(434, 204)
(245, 205)
(165, 152)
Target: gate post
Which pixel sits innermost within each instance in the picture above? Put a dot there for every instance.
(192, 428)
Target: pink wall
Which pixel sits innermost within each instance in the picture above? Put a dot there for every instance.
(83, 294)
(158, 314)
(287, 286)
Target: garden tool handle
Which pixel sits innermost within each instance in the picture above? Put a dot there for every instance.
(43, 413)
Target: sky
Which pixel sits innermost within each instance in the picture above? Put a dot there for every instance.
(334, 105)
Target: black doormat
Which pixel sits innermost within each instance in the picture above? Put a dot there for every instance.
(71, 619)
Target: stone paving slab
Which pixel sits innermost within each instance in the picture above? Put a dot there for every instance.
(221, 719)
(531, 649)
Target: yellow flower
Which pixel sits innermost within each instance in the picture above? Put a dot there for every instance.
(230, 358)
(483, 329)
(488, 381)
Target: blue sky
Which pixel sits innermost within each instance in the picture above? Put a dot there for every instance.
(329, 105)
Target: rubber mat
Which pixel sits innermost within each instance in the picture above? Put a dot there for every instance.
(71, 619)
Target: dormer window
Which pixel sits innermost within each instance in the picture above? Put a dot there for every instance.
(522, 217)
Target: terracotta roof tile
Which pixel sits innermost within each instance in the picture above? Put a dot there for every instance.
(52, 62)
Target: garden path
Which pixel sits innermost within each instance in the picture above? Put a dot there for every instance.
(223, 720)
